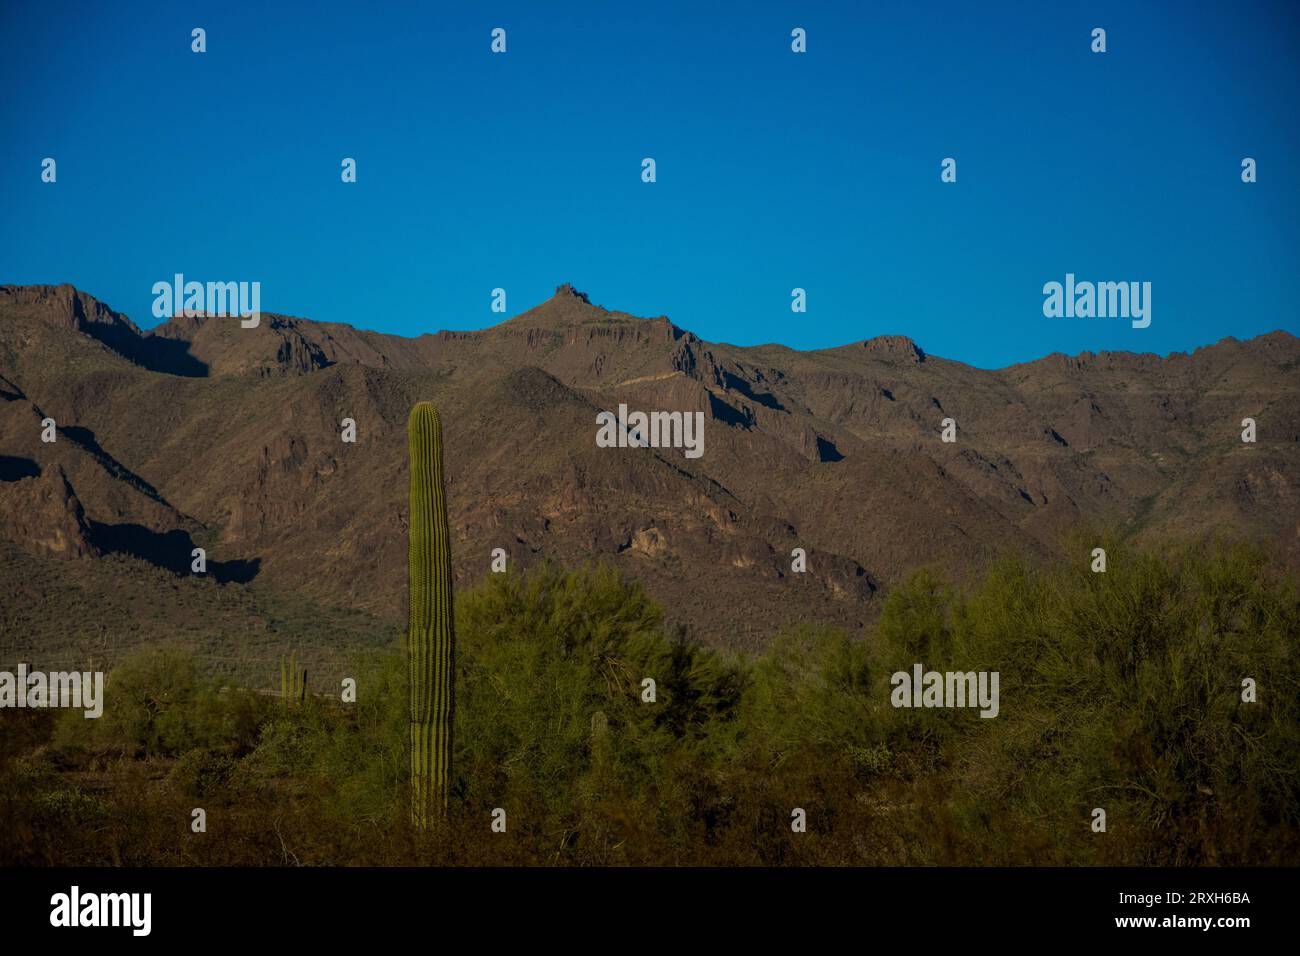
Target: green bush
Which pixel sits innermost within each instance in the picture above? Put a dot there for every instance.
(202, 772)
(550, 713)
(156, 704)
(1120, 690)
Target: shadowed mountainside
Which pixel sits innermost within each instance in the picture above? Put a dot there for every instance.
(202, 430)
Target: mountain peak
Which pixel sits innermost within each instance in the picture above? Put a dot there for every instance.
(568, 307)
(569, 292)
(898, 347)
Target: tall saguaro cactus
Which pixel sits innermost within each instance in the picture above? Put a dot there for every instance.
(430, 639)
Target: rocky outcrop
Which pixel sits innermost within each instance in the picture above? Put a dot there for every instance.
(42, 513)
(897, 348)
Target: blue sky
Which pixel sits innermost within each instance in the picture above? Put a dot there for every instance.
(775, 170)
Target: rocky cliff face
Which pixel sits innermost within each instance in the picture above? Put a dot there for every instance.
(203, 427)
(41, 513)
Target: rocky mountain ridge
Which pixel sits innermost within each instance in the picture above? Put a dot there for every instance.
(203, 431)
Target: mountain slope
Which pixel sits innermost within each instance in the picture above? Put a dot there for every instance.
(204, 432)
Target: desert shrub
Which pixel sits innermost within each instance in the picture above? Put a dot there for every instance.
(1119, 690)
(811, 697)
(363, 748)
(1122, 690)
(156, 704)
(915, 623)
(549, 709)
(69, 806)
(202, 772)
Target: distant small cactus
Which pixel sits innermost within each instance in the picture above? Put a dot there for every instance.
(293, 682)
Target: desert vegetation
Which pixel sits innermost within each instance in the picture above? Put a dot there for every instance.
(1120, 690)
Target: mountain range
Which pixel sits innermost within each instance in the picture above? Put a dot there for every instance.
(202, 433)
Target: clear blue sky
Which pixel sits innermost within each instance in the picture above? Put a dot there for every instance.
(775, 170)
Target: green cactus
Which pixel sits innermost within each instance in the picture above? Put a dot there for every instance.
(430, 639)
(293, 682)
